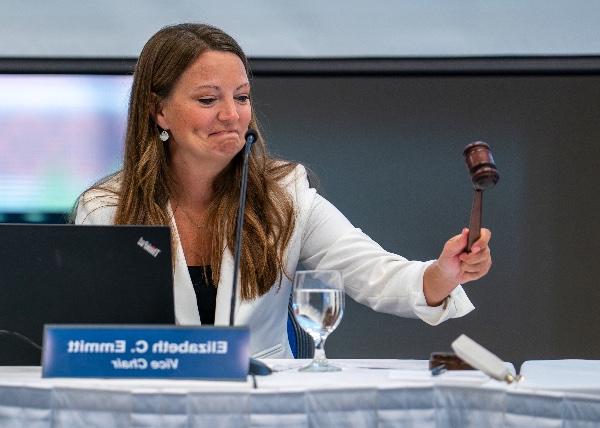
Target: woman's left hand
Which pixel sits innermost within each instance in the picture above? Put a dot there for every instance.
(456, 266)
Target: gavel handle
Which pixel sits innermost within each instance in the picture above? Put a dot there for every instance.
(475, 221)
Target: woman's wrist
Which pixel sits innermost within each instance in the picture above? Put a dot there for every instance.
(436, 286)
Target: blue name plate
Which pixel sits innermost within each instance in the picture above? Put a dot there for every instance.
(217, 353)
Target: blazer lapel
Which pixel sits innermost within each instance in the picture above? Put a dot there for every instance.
(224, 290)
(186, 306)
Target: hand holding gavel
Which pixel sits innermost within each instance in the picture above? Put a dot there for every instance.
(457, 263)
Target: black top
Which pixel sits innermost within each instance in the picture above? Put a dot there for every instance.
(206, 293)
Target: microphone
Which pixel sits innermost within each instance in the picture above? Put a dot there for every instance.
(256, 367)
(250, 138)
(482, 359)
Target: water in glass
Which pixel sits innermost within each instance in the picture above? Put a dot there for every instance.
(318, 311)
(318, 302)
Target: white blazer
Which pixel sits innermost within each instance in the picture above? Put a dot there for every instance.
(323, 239)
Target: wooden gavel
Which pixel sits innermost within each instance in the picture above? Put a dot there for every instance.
(483, 175)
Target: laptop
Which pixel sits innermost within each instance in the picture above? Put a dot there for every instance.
(71, 274)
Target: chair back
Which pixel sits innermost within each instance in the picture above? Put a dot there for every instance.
(301, 343)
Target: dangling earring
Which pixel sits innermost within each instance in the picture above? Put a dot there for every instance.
(164, 136)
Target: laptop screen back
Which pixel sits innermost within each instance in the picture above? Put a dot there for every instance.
(64, 274)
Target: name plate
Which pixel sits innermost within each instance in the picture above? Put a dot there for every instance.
(216, 353)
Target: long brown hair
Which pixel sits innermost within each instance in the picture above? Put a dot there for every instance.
(147, 183)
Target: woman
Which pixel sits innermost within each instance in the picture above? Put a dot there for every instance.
(189, 110)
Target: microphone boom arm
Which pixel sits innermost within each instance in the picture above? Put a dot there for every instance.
(250, 139)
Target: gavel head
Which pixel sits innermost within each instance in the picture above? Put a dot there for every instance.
(481, 165)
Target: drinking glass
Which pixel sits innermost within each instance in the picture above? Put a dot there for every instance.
(318, 303)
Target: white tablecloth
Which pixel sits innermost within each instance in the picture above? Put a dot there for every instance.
(367, 393)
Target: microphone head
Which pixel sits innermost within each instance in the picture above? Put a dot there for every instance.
(251, 136)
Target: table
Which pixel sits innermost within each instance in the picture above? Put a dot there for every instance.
(367, 393)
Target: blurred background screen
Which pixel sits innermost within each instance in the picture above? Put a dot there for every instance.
(58, 135)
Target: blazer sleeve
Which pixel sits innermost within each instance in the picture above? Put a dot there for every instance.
(372, 276)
